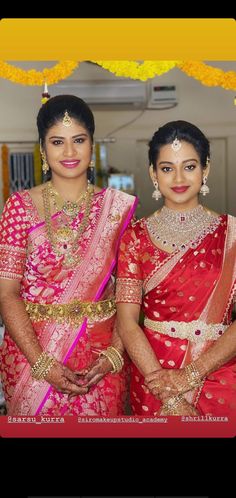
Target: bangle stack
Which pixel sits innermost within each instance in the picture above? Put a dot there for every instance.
(42, 366)
(114, 357)
(170, 405)
(193, 375)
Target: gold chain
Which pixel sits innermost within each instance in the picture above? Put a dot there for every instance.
(70, 208)
(64, 236)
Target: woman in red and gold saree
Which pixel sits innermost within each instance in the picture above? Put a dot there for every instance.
(186, 296)
(67, 309)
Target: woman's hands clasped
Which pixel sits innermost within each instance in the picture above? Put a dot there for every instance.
(92, 375)
(165, 384)
(65, 380)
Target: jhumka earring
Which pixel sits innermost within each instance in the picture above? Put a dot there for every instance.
(156, 194)
(66, 119)
(45, 165)
(204, 190)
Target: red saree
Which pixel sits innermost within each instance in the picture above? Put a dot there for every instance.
(26, 255)
(187, 300)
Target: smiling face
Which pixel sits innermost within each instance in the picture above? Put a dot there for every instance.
(179, 174)
(68, 150)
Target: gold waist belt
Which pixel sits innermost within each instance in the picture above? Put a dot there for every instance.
(194, 331)
(74, 312)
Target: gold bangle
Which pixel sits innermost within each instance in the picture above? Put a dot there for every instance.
(193, 375)
(114, 357)
(42, 366)
(171, 403)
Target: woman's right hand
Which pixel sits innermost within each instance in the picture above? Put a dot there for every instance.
(64, 380)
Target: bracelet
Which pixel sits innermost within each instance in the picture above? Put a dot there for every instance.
(199, 392)
(42, 366)
(171, 403)
(114, 357)
(193, 375)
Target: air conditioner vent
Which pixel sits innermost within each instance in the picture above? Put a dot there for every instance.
(109, 94)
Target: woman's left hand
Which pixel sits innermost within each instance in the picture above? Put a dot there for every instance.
(165, 383)
(95, 372)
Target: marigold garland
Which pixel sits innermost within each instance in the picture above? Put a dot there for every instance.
(60, 71)
(134, 70)
(207, 75)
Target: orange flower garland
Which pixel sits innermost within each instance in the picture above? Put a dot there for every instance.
(208, 75)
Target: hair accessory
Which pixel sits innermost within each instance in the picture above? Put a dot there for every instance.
(66, 120)
(176, 144)
(45, 94)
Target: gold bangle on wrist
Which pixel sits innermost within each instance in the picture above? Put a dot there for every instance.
(114, 357)
(42, 366)
(193, 375)
(171, 404)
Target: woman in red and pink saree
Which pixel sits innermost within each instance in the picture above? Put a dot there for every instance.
(179, 266)
(59, 243)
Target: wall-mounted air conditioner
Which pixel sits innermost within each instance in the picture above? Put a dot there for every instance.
(161, 97)
(106, 94)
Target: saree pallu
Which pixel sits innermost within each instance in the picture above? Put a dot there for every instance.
(187, 302)
(27, 255)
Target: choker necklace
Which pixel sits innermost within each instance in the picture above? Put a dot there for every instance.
(181, 229)
(70, 208)
(64, 240)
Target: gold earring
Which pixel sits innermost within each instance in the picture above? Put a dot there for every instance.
(45, 166)
(91, 165)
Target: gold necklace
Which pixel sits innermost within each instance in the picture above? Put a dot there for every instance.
(63, 241)
(70, 208)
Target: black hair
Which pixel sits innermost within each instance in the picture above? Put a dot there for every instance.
(54, 109)
(182, 130)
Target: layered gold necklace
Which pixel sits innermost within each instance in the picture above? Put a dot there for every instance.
(64, 240)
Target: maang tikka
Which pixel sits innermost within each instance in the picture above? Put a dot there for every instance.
(66, 119)
(176, 145)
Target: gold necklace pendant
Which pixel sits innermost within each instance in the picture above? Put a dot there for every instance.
(71, 209)
(64, 240)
